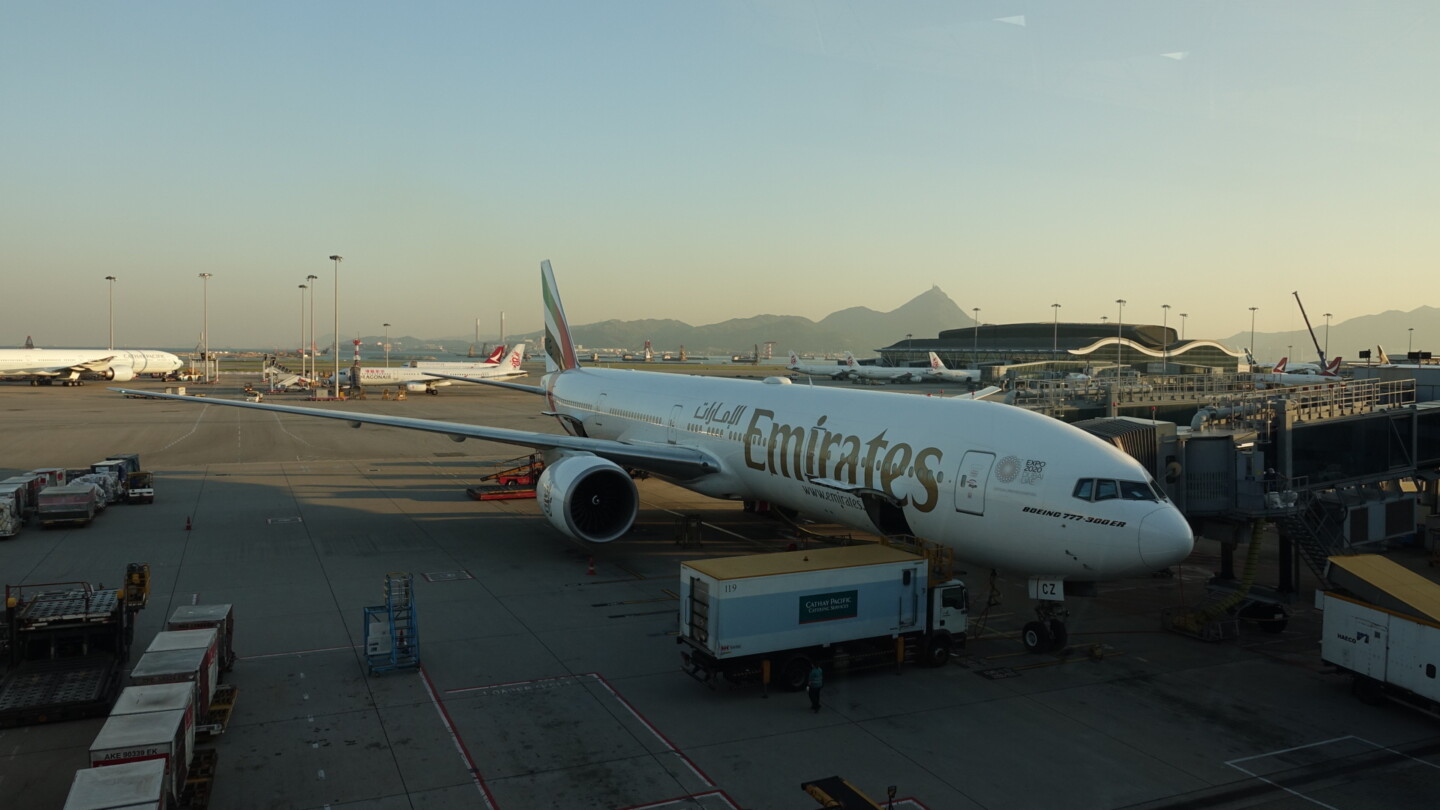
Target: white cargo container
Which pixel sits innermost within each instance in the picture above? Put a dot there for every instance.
(129, 786)
(162, 697)
(180, 666)
(743, 617)
(199, 617)
(137, 737)
(1392, 650)
(206, 639)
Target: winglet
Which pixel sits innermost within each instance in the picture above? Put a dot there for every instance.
(559, 351)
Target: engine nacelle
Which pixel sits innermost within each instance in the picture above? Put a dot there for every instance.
(588, 498)
(117, 373)
(416, 388)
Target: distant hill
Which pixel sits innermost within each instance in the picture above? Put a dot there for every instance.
(1389, 329)
(857, 329)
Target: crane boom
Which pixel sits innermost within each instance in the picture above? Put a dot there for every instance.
(1318, 350)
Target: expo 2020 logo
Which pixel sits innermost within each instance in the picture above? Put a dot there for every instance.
(1007, 469)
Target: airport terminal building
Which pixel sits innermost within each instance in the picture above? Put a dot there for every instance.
(1090, 348)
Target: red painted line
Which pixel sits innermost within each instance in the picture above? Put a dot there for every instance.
(459, 743)
(653, 730)
(509, 683)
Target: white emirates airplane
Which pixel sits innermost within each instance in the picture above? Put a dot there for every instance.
(71, 366)
(834, 370)
(427, 379)
(938, 371)
(891, 374)
(1005, 488)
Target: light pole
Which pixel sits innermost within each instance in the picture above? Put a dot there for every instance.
(387, 345)
(1165, 330)
(1252, 331)
(908, 358)
(1410, 342)
(111, 279)
(1327, 336)
(335, 347)
(1119, 332)
(975, 348)
(303, 288)
(205, 325)
(314, 372)
(1055, 332)
(1183, 316)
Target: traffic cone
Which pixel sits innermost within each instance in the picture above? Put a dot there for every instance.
(591, 572)
(187, 523)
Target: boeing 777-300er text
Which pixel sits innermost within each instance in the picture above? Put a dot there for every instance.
(834, 371)
(938, 371)
(892, 374)
(427, 379)
(70, 366)
(1005, 488)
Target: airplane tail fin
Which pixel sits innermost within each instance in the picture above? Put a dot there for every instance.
(559, 350)
(515, 357)
(496, 355)
(850, 360)
(936, 363)
(1332, 369)
(1384, 360)
(1280, 366)
(794, 359)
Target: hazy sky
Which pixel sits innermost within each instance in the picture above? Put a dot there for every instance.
(709, 160)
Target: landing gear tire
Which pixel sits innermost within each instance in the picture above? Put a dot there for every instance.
(795, 673)
(1034, 637)
(1059, 636)
(937, 651)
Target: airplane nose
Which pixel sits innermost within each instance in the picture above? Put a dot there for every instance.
(1165, 538)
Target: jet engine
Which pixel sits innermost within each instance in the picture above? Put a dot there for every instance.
(588, 498)
(117, 373)
(419, 388)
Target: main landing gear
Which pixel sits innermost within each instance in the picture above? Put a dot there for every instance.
(1048, 633)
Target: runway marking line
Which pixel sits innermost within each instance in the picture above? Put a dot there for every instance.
(565, 680)
(1332, 741)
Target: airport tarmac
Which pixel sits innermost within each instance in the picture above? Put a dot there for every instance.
(544, 685)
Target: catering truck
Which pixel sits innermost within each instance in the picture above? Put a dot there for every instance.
(772, 617)
(1382, 625)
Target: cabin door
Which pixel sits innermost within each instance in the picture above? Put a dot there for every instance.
(970, 484)
(674, 432)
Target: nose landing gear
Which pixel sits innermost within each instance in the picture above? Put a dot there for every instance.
(1048, 634)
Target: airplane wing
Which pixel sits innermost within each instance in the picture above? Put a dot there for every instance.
(662, 459)
(530, 389)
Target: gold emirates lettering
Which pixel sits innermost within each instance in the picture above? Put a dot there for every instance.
(800, 453)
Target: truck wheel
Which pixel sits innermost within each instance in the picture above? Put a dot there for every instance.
(795, 674)
(1035, 638)
(937, 651)
(1368, 690)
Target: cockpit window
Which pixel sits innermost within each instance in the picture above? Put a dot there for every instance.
(1136, 491)
(1104, 489)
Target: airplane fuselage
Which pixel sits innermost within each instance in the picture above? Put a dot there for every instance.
(995, 483)
(46, 362)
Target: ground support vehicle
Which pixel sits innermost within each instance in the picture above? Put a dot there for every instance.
(511, 484)
(1389, 638)
(140, 487)
(67, 646)
(70, 503)
(30, 497)
(772, 617)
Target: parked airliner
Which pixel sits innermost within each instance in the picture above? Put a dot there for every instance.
(892, 374)
(938, 371)
(834, 370)
(1279, 376)
(427, 379)
(70, 366)
(1005, 488)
